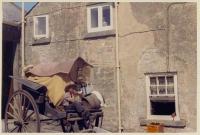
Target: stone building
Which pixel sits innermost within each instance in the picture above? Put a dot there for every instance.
(11, 34)
(157, 56)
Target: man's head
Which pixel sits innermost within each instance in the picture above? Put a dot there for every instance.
(72, 88)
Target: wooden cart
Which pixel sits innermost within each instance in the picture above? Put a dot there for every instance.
(25, 108)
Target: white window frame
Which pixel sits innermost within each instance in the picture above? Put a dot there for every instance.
(47, 26)
(100, 15)
(162, 117)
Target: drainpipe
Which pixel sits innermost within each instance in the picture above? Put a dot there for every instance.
(22, 41)
(118, 68)
(1, 55)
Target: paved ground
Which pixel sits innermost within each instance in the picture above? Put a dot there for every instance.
(54, 127)
(46, 127)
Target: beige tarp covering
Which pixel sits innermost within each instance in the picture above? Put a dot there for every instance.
(55, 87)
(56, 76)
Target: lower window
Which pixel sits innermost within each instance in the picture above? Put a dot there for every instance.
(162, 108)
(162, 99)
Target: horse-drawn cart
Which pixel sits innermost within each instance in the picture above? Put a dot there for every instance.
(26, 106)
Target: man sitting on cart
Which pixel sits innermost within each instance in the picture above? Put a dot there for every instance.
(73, 101)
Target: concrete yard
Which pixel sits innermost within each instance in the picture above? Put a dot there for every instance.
(46, 127)
(54, 127)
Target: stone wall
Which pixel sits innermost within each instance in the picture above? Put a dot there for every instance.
(11, 13)
(68, 28)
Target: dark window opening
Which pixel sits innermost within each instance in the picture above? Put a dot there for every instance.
(162, 108)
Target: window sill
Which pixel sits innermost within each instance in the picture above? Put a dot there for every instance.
(100, 34)
(167, 123)
(41, 41)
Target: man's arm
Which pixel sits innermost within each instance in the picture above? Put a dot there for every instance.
(68, 97)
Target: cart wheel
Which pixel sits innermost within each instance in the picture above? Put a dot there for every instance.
(21, 114)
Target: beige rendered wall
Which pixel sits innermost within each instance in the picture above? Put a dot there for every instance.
(143, 48)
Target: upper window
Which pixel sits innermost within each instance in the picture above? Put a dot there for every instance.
(41, 26)
(99, 18)
(162, 100)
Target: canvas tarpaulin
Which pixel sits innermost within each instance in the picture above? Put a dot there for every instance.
(69, 67)
(56, 76)
(55, 87)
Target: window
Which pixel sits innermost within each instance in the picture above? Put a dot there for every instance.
(99, 18)
(41, 26)
(162, 100)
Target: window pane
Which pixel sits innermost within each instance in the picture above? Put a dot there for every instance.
(94, 17)
(40, 26)
(170, 89)
(161, 89)
(106, 16)
(153, 90)
(170, 80)
(161, 80)
(153, 80)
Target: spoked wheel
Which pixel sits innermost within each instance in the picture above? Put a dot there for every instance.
(21, 113)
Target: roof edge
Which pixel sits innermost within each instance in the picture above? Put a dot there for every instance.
(31, 9)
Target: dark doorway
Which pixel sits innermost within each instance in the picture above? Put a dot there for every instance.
(8, 52)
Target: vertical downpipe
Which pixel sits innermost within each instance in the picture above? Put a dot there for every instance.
(22, 41)
(118, 68)
(1, 55)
